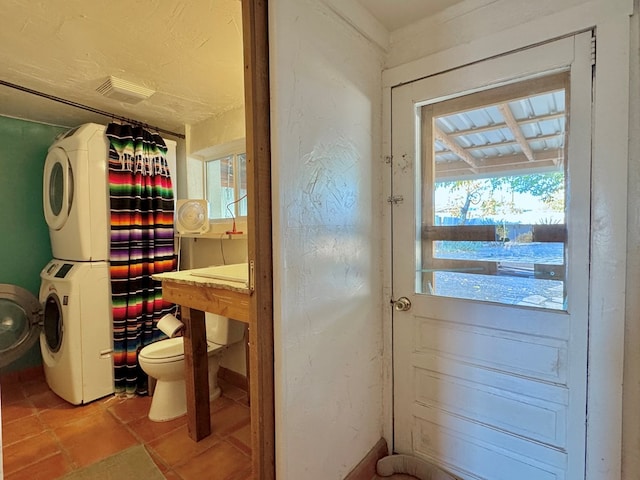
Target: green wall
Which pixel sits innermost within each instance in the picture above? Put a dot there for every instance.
(24, 237)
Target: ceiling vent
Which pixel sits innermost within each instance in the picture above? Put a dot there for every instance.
(124, 91)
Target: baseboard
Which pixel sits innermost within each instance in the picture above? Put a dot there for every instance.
(233, 378)
(366, 469)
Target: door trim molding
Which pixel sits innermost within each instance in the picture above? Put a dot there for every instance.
(258, 135)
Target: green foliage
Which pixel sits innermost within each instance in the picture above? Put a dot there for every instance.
(549, 187)
(542, 185)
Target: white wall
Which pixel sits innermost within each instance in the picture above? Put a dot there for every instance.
(217, 130)
(631, 380)
(478, 29)
(326, 116)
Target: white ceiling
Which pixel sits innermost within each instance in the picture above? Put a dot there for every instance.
(394, 14)
(190, 52)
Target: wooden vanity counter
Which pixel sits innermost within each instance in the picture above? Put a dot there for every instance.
(197, 291)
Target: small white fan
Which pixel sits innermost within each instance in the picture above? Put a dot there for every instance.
(192, 216)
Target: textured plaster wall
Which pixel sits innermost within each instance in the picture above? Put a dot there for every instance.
(217, 130)
(326, 125)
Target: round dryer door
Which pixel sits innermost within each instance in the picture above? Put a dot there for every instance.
(57, 188)
(20, 316)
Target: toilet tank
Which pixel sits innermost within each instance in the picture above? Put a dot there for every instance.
(223, 330)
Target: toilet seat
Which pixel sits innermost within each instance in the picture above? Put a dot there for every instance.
(164, 351)
(170, 350)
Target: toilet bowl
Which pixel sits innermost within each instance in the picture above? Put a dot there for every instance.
(164, 361)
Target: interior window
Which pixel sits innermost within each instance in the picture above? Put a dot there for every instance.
(226, 186)
(493, 221)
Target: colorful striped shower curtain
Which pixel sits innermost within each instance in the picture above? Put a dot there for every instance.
(141, 199)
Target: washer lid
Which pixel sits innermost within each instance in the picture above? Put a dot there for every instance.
(20, 317)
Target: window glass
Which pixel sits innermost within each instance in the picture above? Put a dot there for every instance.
(226, 184)
(492, 223)
(242, 185)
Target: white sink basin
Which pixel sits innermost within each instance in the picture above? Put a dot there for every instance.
(238, 272)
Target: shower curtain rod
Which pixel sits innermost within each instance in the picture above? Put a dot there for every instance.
(89, 109)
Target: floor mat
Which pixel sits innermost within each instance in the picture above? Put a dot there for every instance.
(131, 464)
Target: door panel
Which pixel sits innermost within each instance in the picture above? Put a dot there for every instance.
(490, 380)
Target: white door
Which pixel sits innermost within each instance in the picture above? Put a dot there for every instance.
(491, 202)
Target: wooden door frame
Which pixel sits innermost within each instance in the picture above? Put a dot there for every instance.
(255, 30)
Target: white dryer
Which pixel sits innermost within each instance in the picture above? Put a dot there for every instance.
(76, 339)
(76, 193)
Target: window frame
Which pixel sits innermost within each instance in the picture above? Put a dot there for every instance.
(233, 149)
(426, 229)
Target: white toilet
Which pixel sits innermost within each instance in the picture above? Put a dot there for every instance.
(164, 361)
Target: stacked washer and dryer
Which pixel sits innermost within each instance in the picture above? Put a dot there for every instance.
(73, 315)
(76, 340)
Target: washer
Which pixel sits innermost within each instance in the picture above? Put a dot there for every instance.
(76, 193)
(76, 337)
(20, 321)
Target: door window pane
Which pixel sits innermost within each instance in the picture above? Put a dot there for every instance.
(493, 219)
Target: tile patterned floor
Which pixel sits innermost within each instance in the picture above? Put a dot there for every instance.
(44, 437)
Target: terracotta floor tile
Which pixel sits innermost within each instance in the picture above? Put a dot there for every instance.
(223, 462)
(65, 413)
(94, 438)
(241, 438)
(20, 429)
(110, 399)
(47, 469)
(176, 447)
(148, 431)
(7, 379)
(45, 437)
(232, 391)
(17, 378)
(35, 387)
(30, 450)
(31, 374)
(220, 403)
(171, 476)
(17, 410)
(229, 419)
(162, 466)
(45, 399)
(130, 409)
(244, 400)
(11, 394)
